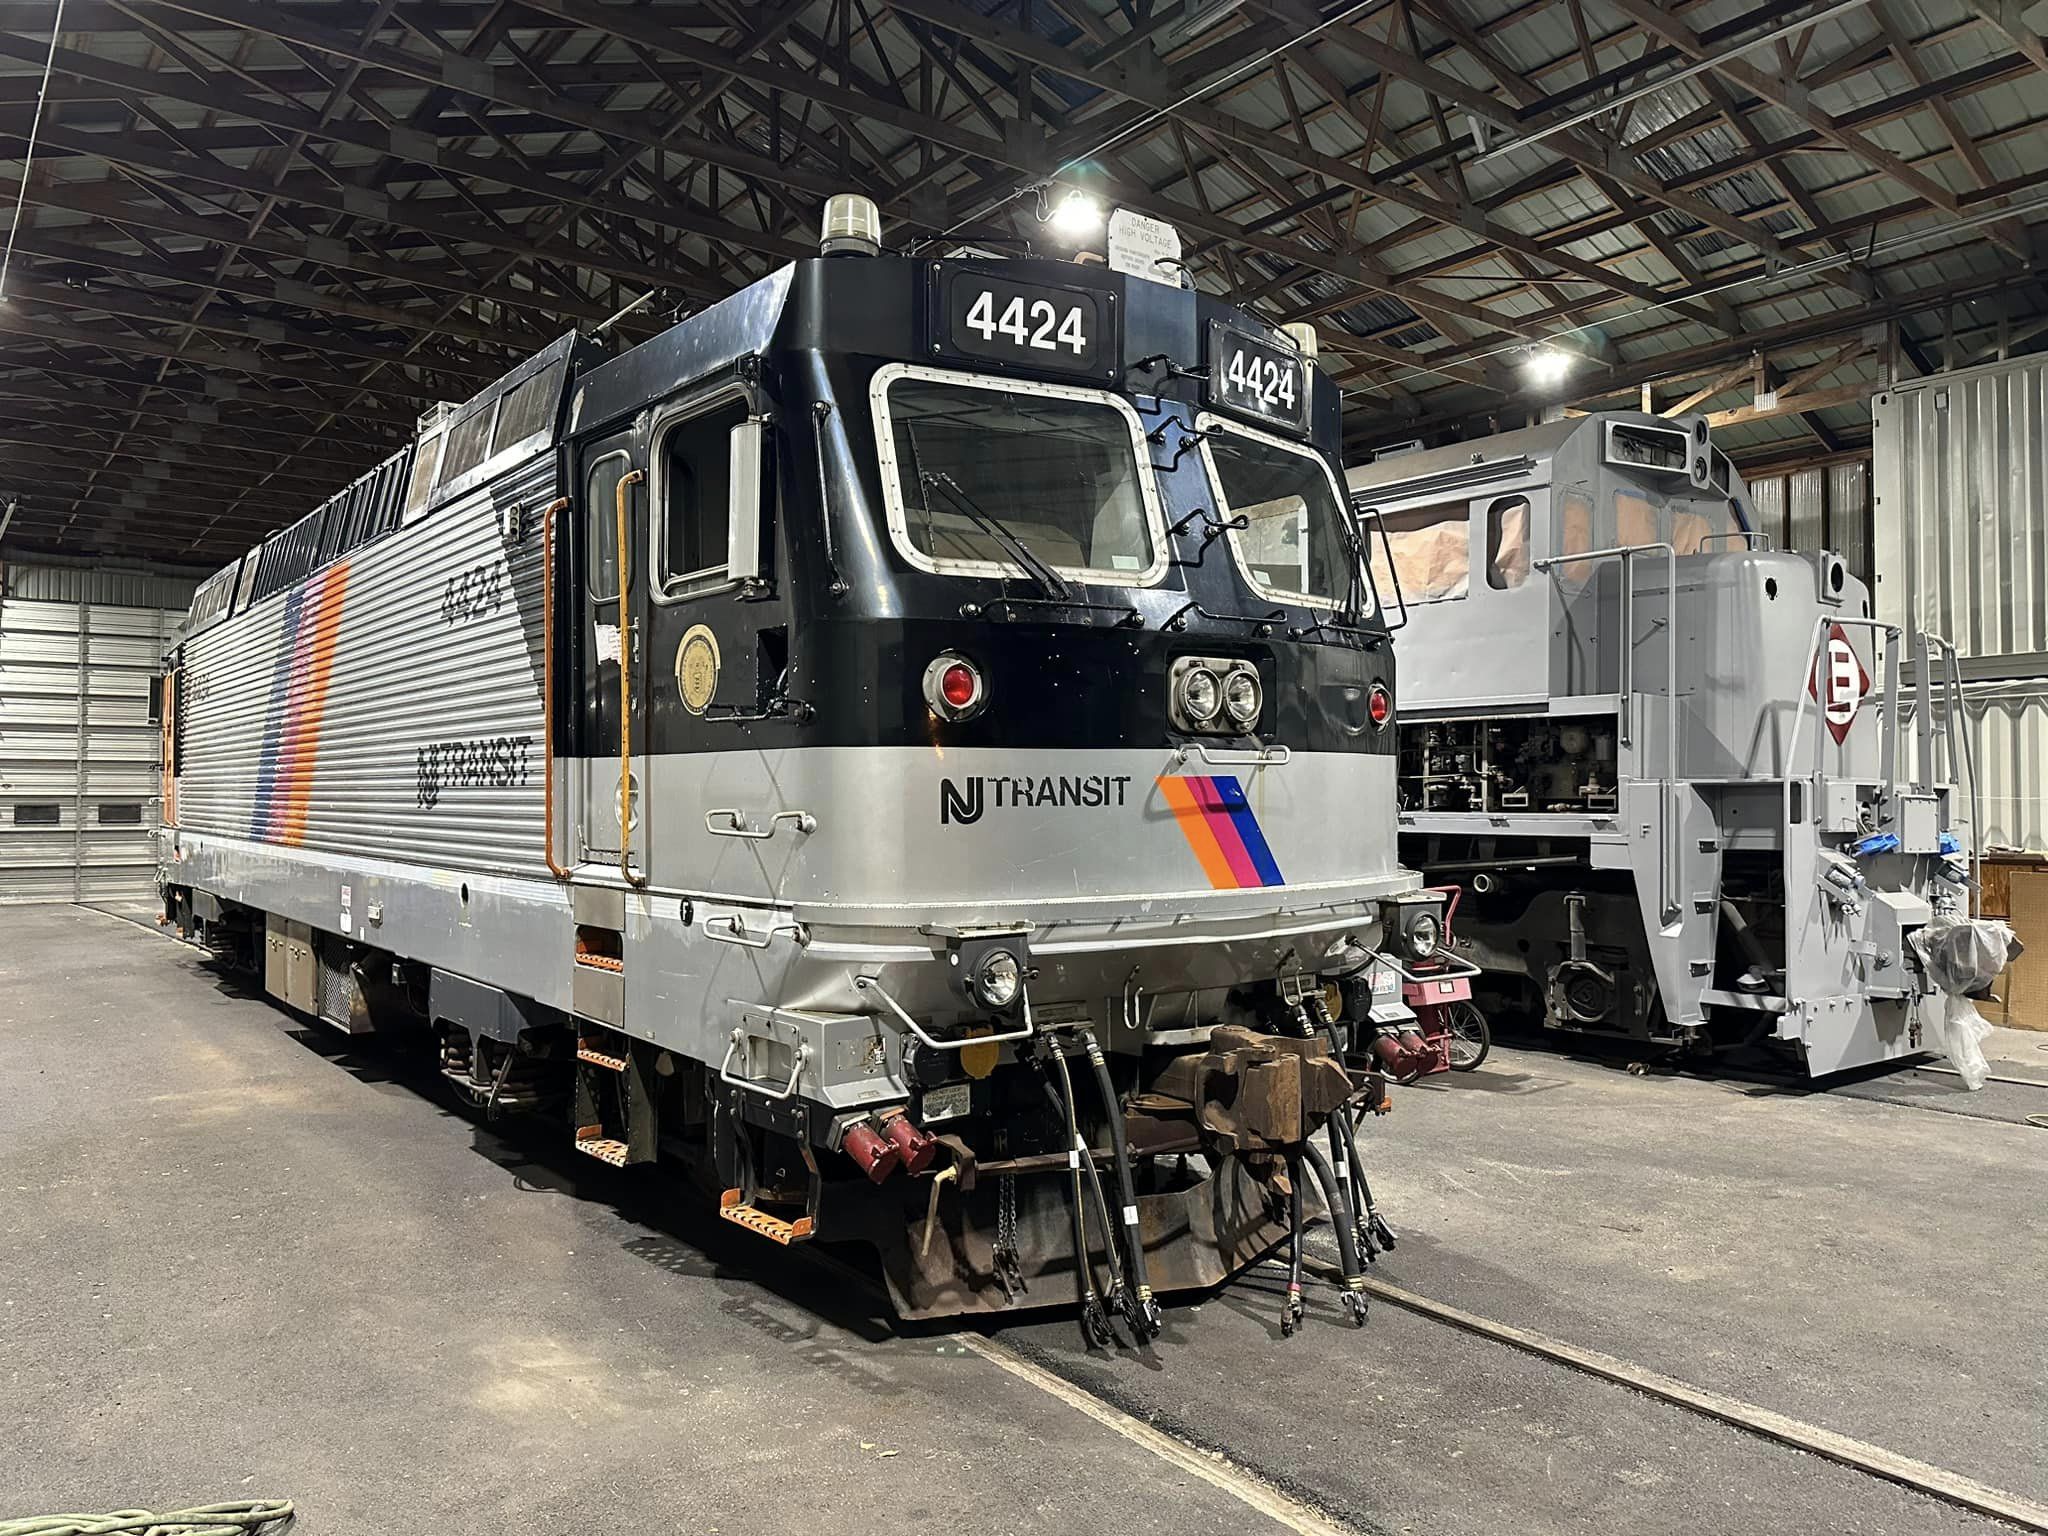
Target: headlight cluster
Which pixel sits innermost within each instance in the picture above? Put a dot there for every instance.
(996, 979)
(1423, 935)
(1214, 694)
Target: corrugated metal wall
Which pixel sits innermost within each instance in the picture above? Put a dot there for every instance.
(2010, 732)
(1826, 507)
(1962, 506)
(1961, 475)
(78, 754)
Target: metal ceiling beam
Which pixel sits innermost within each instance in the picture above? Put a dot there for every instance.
(172, 429)
(1789, 96)
(1695, 361)
(101, 202)
(215, 94)
(15, 320)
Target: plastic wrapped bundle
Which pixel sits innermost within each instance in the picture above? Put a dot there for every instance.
(1963, 956)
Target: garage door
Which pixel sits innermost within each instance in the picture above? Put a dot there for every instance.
(79, 782)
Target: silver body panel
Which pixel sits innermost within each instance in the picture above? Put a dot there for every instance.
(364, 756)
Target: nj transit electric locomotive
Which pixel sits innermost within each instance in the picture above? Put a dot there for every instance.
(906, 742)
(1640, 738)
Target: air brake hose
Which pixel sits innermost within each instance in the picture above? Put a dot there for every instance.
(1292, 1315)
(1084, 1264)
(1372, 1226)
(1350, 1170)
(1114, 1295)
(1113, 1110)
(1340, 1218)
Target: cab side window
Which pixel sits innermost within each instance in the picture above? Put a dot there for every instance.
(601, 524)
(1432, 550)
(694, 498)
(1507, 543)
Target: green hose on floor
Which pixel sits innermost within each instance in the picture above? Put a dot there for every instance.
(232, 1519)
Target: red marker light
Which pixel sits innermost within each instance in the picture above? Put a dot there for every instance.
(953, 687)
(959, 685)
(1379, 704)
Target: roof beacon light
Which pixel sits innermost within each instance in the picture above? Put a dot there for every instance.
(1303, 335)
(852, 226)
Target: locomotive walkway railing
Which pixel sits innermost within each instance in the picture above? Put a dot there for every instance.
(1667, 862)
(1960, 755)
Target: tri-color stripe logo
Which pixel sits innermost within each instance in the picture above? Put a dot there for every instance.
(1218, 823)
(298, 698)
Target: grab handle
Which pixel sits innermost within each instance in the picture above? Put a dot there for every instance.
(1266, 757)
(726, 822)
(874, 985)
(1465, 969)
(730, 930)
(788, 1089)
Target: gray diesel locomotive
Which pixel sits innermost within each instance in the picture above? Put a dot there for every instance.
(1671, 766)
(907, 743)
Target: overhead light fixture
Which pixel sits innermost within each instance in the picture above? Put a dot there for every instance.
(1546, 366)
(1076, 216)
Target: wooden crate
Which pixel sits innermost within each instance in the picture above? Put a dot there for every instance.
(1996, 871)
(2025, 983)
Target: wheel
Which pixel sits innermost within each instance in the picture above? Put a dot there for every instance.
(1470, 1037)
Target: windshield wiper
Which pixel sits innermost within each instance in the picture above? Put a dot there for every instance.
(1050, 582)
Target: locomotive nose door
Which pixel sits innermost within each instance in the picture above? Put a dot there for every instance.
(612, 475)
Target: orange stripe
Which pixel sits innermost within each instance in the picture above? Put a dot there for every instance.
(1194, 825)
(305, 746)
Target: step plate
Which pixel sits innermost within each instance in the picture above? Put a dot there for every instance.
(599, 1058)
(774, 1228)
(603, 1148)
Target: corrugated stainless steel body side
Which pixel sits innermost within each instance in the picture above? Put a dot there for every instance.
(425, 744)
(1961, 470)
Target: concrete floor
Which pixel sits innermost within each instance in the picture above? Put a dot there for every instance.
(245, 1262)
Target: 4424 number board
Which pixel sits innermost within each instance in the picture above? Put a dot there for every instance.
(1041, 326)
(1252, 376)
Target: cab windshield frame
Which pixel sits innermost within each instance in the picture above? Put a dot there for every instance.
(1209, 426)
(898, 507)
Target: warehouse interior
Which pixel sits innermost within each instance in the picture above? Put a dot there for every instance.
(1712, 1183)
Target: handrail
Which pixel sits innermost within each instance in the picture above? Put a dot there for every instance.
(1749, 536)
(737, 824)
(1626, 553)
(1961, 756)
(547, 676)
(1275, 756)
(1379, 521)
(631, 478)
(729, 929)
(1468, 969)
(167, 750)
(788, 1090)
(873, 984)
(1821, 626)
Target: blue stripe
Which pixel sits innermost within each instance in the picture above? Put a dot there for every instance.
(280, 706)
(1231, 793)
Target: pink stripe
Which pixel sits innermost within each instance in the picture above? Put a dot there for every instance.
(1224, 826)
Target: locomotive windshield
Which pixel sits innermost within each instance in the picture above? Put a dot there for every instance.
(1293, 547)
(986, 476)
